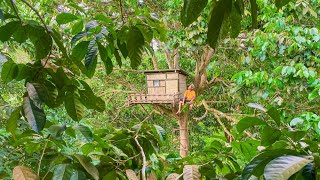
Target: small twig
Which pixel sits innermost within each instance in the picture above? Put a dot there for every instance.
(121, 10)
(41, 19)
(39, 164)
(144, 159)
(177, 178)
(15, 10)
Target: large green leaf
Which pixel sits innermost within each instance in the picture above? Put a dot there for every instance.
(89, 100)
(77, 27)
(280, 3)
(35, 115)
(11, 125)
(24, 173)
(123, 49)
(258, 163)
(9, 71)
(57, 130)
(161, 132)
(83, 132)
(274, 114)
(220, 13)
(1, 15)
(248, 122)
(38, 93)
(77, 37)
(191, 10)
(269, 136)
(59, 41)
(8, 29)
(73, 106)
(105, 58)
(80, 50)
(285, 166)
(64, 18)
(91, 59)
(21, 34)
(79, 175)
(88, 166)
(135, 45)
(63, 172)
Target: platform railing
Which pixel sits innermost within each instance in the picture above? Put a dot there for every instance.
(141, 98)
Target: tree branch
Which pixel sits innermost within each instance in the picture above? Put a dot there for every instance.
(144, 159)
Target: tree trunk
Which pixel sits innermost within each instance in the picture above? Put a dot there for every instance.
(184, 136)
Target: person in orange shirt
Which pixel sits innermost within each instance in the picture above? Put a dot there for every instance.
(188, 97)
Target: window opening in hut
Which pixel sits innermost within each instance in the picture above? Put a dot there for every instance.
(156, 83)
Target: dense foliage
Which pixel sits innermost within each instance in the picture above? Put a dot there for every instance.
(67, 66)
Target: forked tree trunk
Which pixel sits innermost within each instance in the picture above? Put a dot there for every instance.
(184, 136)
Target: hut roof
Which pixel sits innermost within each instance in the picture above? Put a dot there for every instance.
(181, 71)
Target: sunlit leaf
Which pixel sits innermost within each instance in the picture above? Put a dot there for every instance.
(24, 173)
(64, 18)
(248, 122)
(191, 10)
(11, 125)
(9, 71)
(88, 166)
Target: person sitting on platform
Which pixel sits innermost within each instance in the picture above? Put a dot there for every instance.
(188, 97)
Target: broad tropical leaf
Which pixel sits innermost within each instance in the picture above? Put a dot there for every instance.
(219, 14)
(91, 59)
(269, 136)
(172, 176)
(274, 114)
(131, 174)
(63, 172)
(78, 175)
(191, 10)
(258, 163)
(57, 130)
(73, 106)
(9, 71)
(135, 45)
(285, 166)
(248, 122)
(64, 18)
(77, 37)
(88, 166)
(83, 132)
(105, 58)
(191, 172)
(24, 173)
(161, 132)
(35, 115)
(1, 15)
(77, 27)
(280, 3)
(8, 29)
(11, 125)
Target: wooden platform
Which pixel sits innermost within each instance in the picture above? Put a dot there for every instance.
(137, 98)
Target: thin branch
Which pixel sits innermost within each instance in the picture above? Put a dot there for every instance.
(223, 126)
(42, 21)
(144, 159)
(15, 10)
(42, 154)
(121, 10)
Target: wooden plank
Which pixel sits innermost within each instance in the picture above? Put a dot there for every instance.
(156, 77)
(172, 75)
(171, 86)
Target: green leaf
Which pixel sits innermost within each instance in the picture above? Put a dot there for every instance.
(57, 130)
(77, 37)
(91, 59)
(161, 132)
(269, 136)
(7, 30)
(285, 166)
(105, 58)
(258, 163)
(73, 106)
(135, 45)
(83, 132)
(280, 3)
(78, 175)
(35, 115)
(11, 125)
(20, 35)
(63, 172)
(1, 15)
(77, 27)
(64, 18)
(88, 166)
(89, 100)
(38, 93)
(274, 114)
(296, 135)
(123, 49)
(146, 32)
(80, 50)
(110, 176)
(191, 10)
(59, 41)
(248, 122)
(118, 58)
(9, 71)
(219, 14)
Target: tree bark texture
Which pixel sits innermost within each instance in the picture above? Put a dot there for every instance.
(184, 135)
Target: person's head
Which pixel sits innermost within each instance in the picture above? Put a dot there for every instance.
(191, 87)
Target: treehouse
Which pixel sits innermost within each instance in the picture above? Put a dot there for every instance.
(163, 87)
